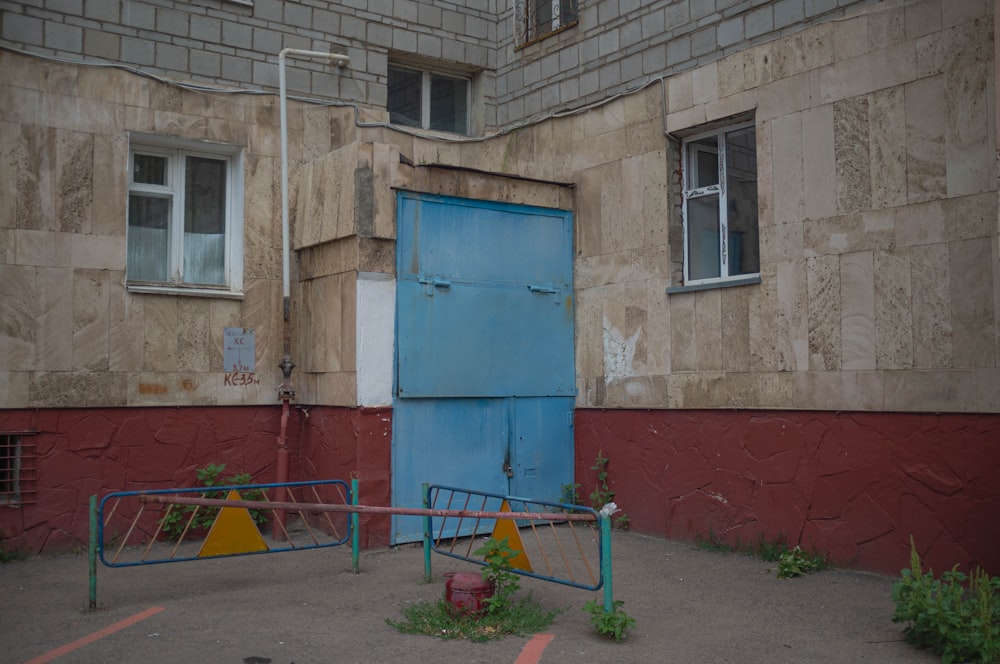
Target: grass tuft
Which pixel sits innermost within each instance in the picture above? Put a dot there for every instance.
(439, 619)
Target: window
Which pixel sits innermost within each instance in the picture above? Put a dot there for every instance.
(538, 18)
(185, 217)
(429, 99)
(18, 471)
(720, 206)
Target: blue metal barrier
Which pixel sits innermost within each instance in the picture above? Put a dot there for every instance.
(564, 543)
(138, 524)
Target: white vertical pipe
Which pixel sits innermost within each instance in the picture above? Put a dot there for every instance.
(285, 391)
(340, 61)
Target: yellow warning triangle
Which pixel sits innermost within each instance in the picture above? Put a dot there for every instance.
(508, 528)
(233, 532)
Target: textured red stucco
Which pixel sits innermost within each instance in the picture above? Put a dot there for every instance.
(854, 486)
(85, 452)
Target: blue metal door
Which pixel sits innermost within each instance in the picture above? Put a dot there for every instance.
(485, 375)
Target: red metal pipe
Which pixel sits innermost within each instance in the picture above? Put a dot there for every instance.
(366, 509)
(278, 527)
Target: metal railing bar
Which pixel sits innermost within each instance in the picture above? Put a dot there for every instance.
(579, 547)
(129, 533)
(541, 548)
(326, 515)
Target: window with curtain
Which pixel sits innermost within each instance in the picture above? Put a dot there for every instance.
(184, 217)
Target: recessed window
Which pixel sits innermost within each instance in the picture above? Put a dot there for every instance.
(185, 216)
(429, 99)
(538, 18)
(720, 206)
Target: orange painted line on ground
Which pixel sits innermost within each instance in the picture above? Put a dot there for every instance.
(90, 638)
(532, 651)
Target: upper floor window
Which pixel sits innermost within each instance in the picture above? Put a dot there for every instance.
(720, 205)
(429, 99)
(538, 18)
(185, 216)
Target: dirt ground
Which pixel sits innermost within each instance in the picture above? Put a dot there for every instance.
(309, 607)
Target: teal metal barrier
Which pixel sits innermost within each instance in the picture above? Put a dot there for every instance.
(559, 537)
(565, 544)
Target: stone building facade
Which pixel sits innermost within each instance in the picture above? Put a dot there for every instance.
(846, 396)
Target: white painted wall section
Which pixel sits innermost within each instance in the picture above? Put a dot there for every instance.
(375, 337)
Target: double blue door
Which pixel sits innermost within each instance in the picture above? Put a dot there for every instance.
(485, 378)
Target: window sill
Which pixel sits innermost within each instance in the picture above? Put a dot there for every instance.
(728, 283)
(187, 292)
(543, 37)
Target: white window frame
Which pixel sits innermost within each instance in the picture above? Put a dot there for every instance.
(719, 191)
(425, 93)
(176, 150)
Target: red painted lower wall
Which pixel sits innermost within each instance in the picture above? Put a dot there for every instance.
(84, 452)
(854, 486)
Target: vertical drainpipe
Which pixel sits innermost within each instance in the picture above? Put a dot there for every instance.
(286, 392)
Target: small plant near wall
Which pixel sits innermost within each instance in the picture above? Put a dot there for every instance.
(797, 562)
(791, 562)
(602, 493)
(176, 519)
(570, 494)
(600, 496)
(497, 572)
(9, 554)
(611, 624)
(956, 616)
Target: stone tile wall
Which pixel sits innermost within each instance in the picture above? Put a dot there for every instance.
(71, 335)
(878, 210)
(616, 46)
(878, 228)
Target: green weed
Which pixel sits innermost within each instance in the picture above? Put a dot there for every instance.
(610, 624)
(770, 550)
(712, 543)
(791, 562)
(438, 620)
(194, 518)
(8, 555)
(569, 494)
(497, 572)
(797, 562)
(962, 624)
(504, 615)
(603, 493)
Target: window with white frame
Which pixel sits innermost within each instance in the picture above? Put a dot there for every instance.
(721, 242)
(537, 18)
(429, 99)
(185, 216)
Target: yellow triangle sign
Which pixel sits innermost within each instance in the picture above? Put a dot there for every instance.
(508, 528)
(233, 532)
